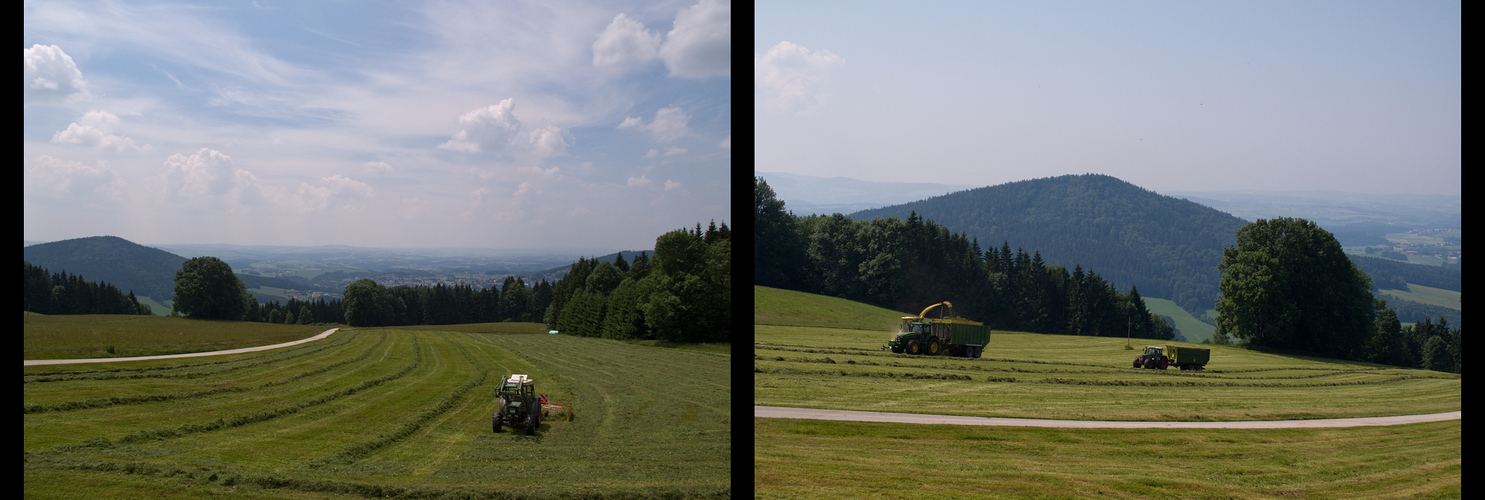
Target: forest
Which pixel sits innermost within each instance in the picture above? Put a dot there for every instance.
(63, 293)
(681, 294)
(906, 265)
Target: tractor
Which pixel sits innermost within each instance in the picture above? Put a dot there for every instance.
(519, 404)
(1185, 358)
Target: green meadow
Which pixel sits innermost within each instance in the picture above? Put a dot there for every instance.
(375, 412)
(806, 362)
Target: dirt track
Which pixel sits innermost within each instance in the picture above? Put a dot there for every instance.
(32, 362)
(913, 418)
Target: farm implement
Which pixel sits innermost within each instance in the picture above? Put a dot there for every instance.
(520, 406)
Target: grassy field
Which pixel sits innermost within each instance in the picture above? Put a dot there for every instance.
(1193, 329)
(383, 412)
(90, 335)
(1427, 295)
(1085, 378)
(823, 459)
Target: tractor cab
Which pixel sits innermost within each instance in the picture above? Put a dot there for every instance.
(1154, 351)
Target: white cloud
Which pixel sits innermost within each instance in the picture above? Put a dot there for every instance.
(51, 75)
(788, 77)
(641, 181)
(376, 166)
(93, 131)
(495, 129)
(522, 192)
(726, 142)
(675, 151)
(206, 173)
(669, 124)
(57, 177)
(670, 185)
(625, 44)
(346, 187)
(652, 154)
(700, 45)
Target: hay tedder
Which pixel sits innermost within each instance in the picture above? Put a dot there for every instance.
(520, 406)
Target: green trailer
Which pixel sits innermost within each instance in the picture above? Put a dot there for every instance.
(1186, 358)
(957, 337)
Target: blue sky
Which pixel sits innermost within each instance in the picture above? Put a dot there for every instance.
(1196, 96)
(532, 125)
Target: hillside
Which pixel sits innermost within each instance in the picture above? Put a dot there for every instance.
(148, 272)
(1166, 246)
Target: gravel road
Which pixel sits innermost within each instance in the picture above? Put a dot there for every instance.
(32, 362)
(914, 418)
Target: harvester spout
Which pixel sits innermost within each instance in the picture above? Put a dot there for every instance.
(944, 303)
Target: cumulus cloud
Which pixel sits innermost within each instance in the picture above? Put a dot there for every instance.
(346, 187)
(675, 151)
(669, 124)
(641, 181)
(206, 173)
(51, 75)
(789, 76)
(376, 166)
(56, 177)
(625, 44)
(700, 45)
(92, 130)
(670, 185)
(495, 129)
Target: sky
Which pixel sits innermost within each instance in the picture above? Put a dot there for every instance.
(1354, 96)
(561, 125)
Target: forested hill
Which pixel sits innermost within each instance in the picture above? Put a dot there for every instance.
(1166, 246)
(148, 272)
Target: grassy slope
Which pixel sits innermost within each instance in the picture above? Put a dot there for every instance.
(89, 335)
(1427, 295)
(416, 403)
(825, 367)
(1193, 329)
(772, 306)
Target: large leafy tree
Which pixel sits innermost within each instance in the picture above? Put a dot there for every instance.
(778, 252)
(1286, 283)
(205, 287)
(367, 303)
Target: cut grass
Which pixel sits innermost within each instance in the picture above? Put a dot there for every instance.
(814, 458)
(1427, 295)
(393, 412)
(90, 335)
(1026, 375)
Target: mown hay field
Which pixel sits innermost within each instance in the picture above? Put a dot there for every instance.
(801, 362)
(383, 412)
(1028, 375)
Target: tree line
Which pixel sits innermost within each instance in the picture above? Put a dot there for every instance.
(905, 265)
(682, 294)
(63, 293)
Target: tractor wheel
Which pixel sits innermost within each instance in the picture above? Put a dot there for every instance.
(977, 352)
(933, 347)
(1136, 362)
(914, 348)
(495, 423)
(1150, 363)
(1163, 363)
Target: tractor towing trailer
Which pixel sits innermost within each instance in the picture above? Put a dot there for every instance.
(1187, 358)
(958, 337)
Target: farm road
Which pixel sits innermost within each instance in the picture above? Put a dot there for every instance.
(31, 362)
(914, 418)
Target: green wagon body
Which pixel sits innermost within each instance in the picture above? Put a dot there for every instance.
(1188, 355)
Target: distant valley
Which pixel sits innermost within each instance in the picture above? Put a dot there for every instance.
(280, 272)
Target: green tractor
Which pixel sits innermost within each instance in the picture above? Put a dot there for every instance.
(519, 404)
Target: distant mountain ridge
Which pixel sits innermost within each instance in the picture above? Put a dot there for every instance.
(148, 272)
(1168, 247)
